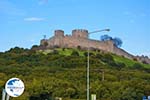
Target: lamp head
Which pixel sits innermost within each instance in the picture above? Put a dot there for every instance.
(107, 29)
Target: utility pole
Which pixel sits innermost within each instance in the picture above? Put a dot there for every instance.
(88, 63)
(44, 37)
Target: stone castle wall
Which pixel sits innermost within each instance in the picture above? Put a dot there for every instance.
(82, 33)
(79, 38)
(85, 43)
(122, 52)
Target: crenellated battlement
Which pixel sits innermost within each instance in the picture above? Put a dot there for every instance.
(80, 30)
(80, 33)
(59, 33)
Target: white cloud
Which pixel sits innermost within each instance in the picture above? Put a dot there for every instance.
(34, 19)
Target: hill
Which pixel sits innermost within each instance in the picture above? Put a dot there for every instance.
(61, 72)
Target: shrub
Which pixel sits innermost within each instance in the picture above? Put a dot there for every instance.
(137, 66)
(55, 52)
(75, 53)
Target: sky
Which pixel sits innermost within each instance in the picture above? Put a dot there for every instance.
(23, 23)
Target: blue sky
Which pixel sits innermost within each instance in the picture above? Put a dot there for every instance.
(24, 22)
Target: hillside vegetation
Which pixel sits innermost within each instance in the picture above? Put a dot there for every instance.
(61, 72)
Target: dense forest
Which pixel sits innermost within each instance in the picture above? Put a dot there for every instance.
(61, 72)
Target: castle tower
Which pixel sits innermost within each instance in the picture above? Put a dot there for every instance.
(58, 38)
(59, 33)
(80, 33)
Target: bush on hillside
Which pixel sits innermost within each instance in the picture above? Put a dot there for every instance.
(137, 66)
(75, 53)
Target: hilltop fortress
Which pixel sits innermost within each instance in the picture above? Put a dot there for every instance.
(80, 39)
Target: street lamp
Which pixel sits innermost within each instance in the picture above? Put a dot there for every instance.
(88, 63)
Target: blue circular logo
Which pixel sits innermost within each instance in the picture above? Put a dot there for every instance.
(14, 87)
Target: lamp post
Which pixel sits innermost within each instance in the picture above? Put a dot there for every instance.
(88, 63)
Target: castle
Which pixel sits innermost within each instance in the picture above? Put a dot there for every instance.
(80, 39)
